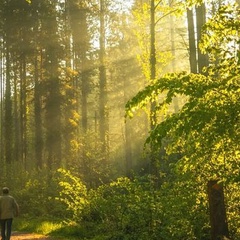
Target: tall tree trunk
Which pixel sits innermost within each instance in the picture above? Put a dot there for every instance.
(172, 34)
(84, 43)
(53, 100)
(85, 79)
(72, 45)
(128, 134)
(80, 43)
(153, 117)
(2, 87)
(152, 61)
(23, 113)
(8, 110)
(38, 113)
(192, 42)
(17, 122)
(103, 124)
(78, 16)
(201, 20)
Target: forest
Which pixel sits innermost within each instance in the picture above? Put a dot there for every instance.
(120, 120)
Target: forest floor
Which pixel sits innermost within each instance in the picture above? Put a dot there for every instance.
(29, 236)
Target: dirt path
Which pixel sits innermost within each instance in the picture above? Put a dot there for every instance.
(29, 236)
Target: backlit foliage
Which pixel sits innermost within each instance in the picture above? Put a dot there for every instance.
(205, 132)
(73, 193)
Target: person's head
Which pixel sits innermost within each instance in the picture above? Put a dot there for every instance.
(5, 190)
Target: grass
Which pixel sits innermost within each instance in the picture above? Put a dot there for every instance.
(40, 226)
(55, 228)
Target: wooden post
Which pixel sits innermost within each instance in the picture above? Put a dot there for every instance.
(218, 219)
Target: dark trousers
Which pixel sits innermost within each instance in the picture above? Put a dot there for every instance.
(6, 228)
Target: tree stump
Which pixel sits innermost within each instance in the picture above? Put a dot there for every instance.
(218, 219)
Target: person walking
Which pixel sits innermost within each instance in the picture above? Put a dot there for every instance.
(8, 210)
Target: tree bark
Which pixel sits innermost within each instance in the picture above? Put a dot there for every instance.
(53, 96)
(192, 42)
(103, 116)
(23, 111)
(218, 219)
(201, 20)
(38, 113)
(8, 111)
(152, 61)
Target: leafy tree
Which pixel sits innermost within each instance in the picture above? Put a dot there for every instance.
(205, 131)
(213, 98)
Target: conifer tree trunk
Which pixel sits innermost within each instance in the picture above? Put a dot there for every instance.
(2, 84)
(23, 114)
(78, 19)
(78, 27)
(8, 110)
(38, 114)
(128, 135)
(85, 78)
(84, 68)
(103, 123)
(17, 122)
(71, 29)
(53, 103)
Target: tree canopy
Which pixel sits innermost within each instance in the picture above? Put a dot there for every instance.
(205, 131)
